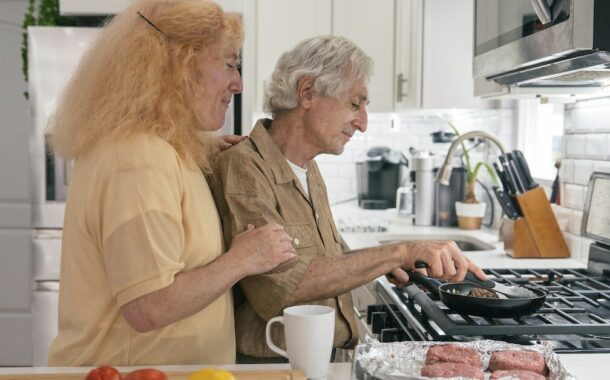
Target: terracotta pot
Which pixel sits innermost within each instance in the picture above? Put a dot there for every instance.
(470, 215)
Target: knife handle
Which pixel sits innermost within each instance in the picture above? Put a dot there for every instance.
(508, 175)
(507, 203)
(517, 173)
(525, 169)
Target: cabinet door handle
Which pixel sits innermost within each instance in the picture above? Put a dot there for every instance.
(541, 7)
(401, 84)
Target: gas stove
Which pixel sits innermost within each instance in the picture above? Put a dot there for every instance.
(574, 318)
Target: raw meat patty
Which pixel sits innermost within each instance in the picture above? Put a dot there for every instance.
(452, 370)
(450, 353)
(525, 360)
(516, 374)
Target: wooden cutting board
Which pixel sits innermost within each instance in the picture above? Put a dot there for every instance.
(173, 375)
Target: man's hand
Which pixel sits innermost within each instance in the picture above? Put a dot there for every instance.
(398, 277)
(262, 249)
(445, 260)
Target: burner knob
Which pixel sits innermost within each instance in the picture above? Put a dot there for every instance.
(378, 321)
(370, 309)
(392, 335)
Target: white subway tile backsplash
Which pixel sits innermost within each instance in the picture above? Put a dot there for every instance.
(329, 170)
(587, 121)
(601, 166)
(596, 146)
(583, 120)
(562, 215)
(573, 243)
(573, 196)
(566, 171)
(575, 220)
(582, 171)
(574, 146)
(584, 249)
(400, 132)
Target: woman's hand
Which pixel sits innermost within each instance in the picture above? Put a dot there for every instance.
(445, 260)
(262, 249)
(226, 141)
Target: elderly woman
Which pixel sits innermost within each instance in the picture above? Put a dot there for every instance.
(143, 276)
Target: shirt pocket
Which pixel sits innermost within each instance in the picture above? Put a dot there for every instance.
(301, 234)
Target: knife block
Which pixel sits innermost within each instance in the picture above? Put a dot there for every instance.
(537, 233)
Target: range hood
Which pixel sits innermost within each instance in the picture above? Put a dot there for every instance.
(557, 47)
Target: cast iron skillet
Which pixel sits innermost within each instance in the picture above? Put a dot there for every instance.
(455, 296)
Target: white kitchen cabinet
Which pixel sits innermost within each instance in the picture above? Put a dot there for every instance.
(447, 54)
(408, 53)
(370, 24)
(280, 25)
(92, 7)
(110, 7)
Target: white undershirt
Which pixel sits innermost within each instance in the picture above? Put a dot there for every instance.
(301, 175)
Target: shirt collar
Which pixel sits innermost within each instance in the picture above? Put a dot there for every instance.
(270, 152)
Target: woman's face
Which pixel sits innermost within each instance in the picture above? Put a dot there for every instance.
(219, 80)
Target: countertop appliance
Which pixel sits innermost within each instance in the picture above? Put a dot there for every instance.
(423, 165)
(541, 46)
(574, 318)
(378, 177)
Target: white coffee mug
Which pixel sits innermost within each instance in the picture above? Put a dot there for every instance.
(309, 331)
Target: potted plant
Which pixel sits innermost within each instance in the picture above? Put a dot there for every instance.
(470, 211)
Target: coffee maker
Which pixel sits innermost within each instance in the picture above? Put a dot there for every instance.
(378, 177)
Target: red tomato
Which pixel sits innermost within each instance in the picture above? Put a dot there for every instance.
(146, 374)
(104, 373)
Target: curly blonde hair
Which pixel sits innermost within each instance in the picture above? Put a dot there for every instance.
(138, 79)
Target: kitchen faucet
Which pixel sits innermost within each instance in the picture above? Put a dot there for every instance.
(445, 172)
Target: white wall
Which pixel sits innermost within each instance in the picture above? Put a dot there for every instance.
(586, 148)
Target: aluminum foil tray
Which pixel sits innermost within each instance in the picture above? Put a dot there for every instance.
(404, 360)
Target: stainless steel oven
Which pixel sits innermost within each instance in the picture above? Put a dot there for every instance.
(541, 44)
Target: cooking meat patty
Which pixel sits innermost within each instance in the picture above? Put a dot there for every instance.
(482, 293)
(451, 353)
(447, 370)
(516, 374)
(523, 360)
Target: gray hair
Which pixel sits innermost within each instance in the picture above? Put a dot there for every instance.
(334, 62)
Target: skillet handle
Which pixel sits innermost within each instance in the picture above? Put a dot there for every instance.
(488, 284)
(429, 283)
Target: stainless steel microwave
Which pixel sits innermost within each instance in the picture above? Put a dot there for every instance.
(541, 46)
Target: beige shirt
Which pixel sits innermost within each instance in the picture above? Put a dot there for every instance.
(253, 184)
(137, 214)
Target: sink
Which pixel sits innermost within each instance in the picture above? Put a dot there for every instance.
(464, 242)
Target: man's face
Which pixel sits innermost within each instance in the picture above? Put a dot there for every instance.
(219, 80)
(331, 122)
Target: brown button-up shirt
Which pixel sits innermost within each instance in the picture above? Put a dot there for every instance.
(253, 184)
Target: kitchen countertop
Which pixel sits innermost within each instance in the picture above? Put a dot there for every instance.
(583, 366)
(493, 258)
(338, 371)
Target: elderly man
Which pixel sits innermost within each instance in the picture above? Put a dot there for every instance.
(317, 97)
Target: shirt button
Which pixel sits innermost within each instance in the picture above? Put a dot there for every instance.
(296, 242)
(317, 216)
(341, 304)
